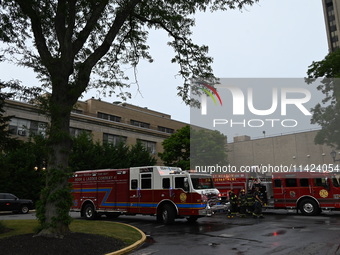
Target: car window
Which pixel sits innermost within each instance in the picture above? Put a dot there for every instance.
(2, 196)
(10, 196)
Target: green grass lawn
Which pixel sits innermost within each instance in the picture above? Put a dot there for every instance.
(120, 231)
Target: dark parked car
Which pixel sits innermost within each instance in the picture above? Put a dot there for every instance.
(9, 202)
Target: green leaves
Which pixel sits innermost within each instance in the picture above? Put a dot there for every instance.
(207, 148)
(325, 74)
(91, 43)
(177, 149)
(89, 155)
(21, 169)
(190, 147)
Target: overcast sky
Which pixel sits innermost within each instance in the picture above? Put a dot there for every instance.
(273, 38)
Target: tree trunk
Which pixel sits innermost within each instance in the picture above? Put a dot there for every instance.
(56, 200)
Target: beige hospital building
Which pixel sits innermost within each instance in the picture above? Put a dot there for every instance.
(117, 121)
(107, 122)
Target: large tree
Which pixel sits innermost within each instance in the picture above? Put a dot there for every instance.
(208, 148)
(326, 74)
(177, 149)
(74, 45)
(190, 148)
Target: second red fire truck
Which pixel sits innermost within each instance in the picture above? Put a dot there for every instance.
(309, 192)
(167, 192)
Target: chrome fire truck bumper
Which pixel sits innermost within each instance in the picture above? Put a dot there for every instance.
(218, 208)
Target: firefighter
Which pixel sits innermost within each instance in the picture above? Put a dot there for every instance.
(233, 204)
(250, 201)
(257, 213)
(242, 199)
(263, 195)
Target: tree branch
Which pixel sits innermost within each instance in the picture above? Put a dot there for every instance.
(60, 22)
(91, 23)
(161, 24)
(71, 20)
(90, 62)
(40, 40)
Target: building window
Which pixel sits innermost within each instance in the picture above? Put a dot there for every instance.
(24, 127)
(166, 130)
(110, 117)
(330, 7)
(332, 28)
(139, 124)
(329, 2)
(75, 132)
(332, 23)
(77, 111)
(149, 146)
(330, 12)
(331, 18)
(19, 127)
(38, 128)
(114, 139)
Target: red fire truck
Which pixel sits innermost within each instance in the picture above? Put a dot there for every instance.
(309, 192)
(167, 192)
(226, 182)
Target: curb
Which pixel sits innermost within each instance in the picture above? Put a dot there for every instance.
(132, 246)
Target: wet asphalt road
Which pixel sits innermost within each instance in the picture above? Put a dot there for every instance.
(279, 233)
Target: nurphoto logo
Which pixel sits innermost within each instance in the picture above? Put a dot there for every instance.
(260, 105)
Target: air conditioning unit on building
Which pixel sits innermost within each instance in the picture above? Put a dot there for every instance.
(22, 132)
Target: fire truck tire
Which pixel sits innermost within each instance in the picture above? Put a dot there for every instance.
(309, 207)
(168, 214)
(89, 212)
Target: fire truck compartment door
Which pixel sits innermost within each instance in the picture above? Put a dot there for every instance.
(146, 194)
(134, 198)
(279, 193)
(292, 191)
(89, 192)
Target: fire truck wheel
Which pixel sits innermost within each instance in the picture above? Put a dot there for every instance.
(89, 212)
(309, 207)
(168, 214)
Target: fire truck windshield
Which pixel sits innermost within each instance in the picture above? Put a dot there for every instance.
(202, 182)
